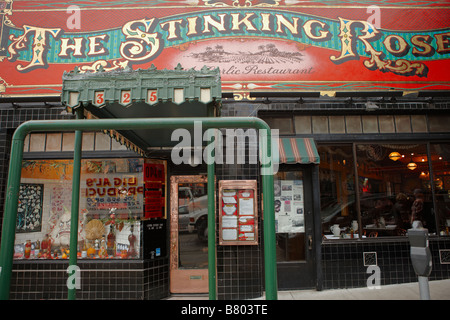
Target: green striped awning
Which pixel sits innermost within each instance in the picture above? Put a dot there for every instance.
(298, 150)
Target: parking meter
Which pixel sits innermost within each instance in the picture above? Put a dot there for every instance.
(421, 258)
(420, 252)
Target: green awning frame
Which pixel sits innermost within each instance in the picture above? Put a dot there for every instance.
(79, 126)
(298, 150)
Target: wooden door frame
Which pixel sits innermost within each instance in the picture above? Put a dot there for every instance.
(298, 268)
(181, 280)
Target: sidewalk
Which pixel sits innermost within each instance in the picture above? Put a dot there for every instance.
(439, 290)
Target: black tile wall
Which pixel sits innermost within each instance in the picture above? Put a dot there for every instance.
(344, 267)
(117, 280)
(240, 268)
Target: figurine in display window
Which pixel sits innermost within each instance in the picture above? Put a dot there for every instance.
(46, 247)
(37, 249)
(111, 241)
(102, 251)
(27, 250)
(132, 241)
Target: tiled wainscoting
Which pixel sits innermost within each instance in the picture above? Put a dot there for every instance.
(346, 264)
(122, 280)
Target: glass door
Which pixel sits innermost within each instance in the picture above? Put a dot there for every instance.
(294, 229)
(188, 234)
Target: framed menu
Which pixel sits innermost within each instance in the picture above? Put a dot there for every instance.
(238, 218)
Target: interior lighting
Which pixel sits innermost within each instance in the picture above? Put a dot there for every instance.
(412, 165)
(395, 156)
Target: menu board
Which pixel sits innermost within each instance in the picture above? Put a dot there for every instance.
(238, 223)
(289, 206)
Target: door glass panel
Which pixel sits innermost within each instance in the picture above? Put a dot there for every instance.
(337, 192)
(289, 216)
(192, 225)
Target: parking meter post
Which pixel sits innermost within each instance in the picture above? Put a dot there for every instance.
(424, 288)
(421, 259)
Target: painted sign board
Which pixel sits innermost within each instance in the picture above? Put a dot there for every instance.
(154, 179)
(265, 45)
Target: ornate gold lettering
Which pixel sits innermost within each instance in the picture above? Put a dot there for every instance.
(348, 51)
(308, 28)
(76, 47)
(136, 49)
(39, 46)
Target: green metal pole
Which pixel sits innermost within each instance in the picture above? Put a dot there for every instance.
(75, 207)
(211, 224)
(11, 204)
(10, 216)
(270, 261)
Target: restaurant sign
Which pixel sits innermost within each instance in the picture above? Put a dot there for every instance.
(257, 45)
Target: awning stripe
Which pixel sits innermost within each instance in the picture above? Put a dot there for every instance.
(298, 150)
(282, 152)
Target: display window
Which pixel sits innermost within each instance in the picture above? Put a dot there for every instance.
(111, 206)
(393, 192)
(441, 184)
(387, 189)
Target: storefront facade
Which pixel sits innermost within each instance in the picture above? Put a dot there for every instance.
(358, 95)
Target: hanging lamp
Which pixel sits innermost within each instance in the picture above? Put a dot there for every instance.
(395, 156)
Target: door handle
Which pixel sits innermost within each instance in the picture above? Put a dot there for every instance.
(310, 242)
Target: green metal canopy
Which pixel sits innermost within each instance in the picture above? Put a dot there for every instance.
(149, 93)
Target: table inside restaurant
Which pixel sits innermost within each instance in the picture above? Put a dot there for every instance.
(389, 229)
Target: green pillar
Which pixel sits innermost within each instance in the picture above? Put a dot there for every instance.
(270, 261)
(75, 206)
(211, 225)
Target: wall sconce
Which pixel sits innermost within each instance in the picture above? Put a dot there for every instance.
(395, 156)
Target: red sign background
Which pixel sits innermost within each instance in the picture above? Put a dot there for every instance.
(284, 45)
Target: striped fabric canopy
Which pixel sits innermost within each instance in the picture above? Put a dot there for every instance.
(298, 150)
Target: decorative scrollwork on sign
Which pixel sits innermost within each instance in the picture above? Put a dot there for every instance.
(401, 66)
(241, 3)
(8, 22)
(104, 66)
(3, 85)
(241, 96)
(6, 7)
